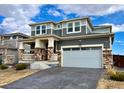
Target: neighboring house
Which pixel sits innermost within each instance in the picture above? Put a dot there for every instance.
(9, 47)
(74, 43)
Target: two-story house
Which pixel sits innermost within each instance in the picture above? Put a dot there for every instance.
(9, 47)
(73, 43)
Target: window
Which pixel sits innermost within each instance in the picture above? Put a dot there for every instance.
(74, 27)
(32, 33)
(13, 37)
(43, 29)
(77, 26)
(85, 48)
(70, 27)
(66, 49)
(37, 29)
(75, 49)
(59, 26)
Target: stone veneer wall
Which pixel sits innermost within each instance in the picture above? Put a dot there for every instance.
(107, 57)
(20, 53)
(40, 54)
(50, 52)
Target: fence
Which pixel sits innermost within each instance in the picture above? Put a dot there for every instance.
(118, 60)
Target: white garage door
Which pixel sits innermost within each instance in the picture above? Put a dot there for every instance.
(82, 57)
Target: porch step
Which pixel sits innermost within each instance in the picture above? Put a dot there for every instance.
(39, 65)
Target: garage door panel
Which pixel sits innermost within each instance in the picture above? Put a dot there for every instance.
(82, 58)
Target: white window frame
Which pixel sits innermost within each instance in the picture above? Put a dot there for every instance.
(59, 25)
(41, 29)
(36, 30)
(80, 26)
(45, 29)
(73, 26)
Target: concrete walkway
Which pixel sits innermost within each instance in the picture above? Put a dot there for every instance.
(59, 78)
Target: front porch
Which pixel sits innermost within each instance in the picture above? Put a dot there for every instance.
(38, 50)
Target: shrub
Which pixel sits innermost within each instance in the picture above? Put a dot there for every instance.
(3, 66)
(119, 76)
(21, 66)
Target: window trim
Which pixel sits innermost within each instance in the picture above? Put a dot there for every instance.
(40, 29)
(73, 26)
(68, 27)
(45, 29)
(79, 26)
(59, 25)
(36, 30)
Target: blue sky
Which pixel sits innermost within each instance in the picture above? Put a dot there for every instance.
(14, 18)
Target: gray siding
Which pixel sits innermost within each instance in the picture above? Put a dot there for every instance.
(48, 31)
(83, 32)
(104, 41)
(57, 32)
(14, 53)
(102, 30)
(9, 43)
(32, 33)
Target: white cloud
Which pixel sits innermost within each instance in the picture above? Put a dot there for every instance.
(17, 17)
(54, 12)
(115, 28)
(91, 9)
(120, 42)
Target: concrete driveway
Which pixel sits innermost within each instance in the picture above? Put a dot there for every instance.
(59, 78)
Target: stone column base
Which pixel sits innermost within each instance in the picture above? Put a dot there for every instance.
(50, 53)
(40, 54)
(107, 58)
(21, 52)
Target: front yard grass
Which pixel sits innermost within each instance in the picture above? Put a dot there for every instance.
(106, 83)
(10, 75)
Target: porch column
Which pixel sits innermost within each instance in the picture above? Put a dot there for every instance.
(107, 58)
(39, 50)
(50, 48)
(21, 50)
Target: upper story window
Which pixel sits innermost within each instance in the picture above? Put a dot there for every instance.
(37, 29)
(58, 26)
(14, 37)
(70, 27)
(74, 27)
(77, 26)
(43, 29)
